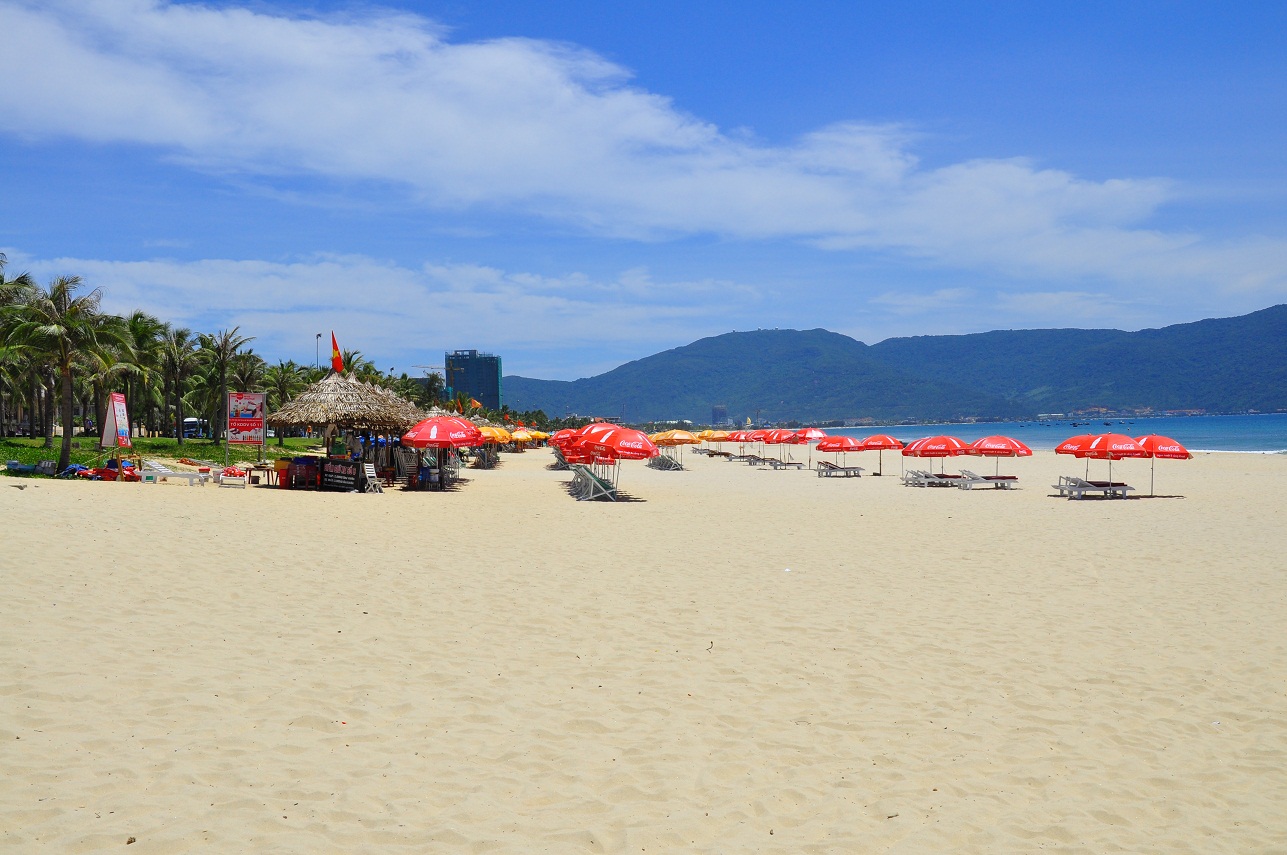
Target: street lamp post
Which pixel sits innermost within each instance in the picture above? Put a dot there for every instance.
(317, 352)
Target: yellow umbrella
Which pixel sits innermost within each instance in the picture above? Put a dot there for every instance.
(521, 435)
(675, 437)
(491, 433)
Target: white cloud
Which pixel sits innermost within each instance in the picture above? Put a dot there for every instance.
(554, 131)
(562, 326)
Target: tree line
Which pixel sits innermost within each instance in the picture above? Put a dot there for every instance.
(58, 349)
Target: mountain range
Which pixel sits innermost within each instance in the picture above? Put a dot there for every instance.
(1217, 365)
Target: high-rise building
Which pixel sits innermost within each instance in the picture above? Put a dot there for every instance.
(719, 415)
(476, 374)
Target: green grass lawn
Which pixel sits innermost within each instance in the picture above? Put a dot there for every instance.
(85, 450)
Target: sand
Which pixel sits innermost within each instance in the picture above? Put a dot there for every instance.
(741, 660)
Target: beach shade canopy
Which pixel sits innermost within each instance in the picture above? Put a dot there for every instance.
(1104, 446)
(618, 443)
(757, 435)
(1163, 447)
(811, 434)
(562, 437)
(494, 435)
(782, 436)
(521, 435)
(839, 443)
(998, 446)
(347, 404)
(1109, 446)
(675, 437)
(936, 446)
(443, 432)
(880, 443)
(1072, 443)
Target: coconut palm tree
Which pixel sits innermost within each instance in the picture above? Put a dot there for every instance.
(247, 371)
(178, 360)
(283, 382)
(218, 351)
(144, 353)
(63, 326)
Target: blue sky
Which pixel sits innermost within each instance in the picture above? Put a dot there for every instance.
(575, 185)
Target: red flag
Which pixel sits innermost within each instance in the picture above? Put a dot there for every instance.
(473, 402)
(337, 360)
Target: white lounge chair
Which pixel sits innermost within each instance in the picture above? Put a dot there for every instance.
(154, 472)
(1077, 488)
(998, 482)
(372, 484)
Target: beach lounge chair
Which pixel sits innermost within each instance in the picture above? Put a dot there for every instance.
(998, 482)
(785, 464)
(831, 470)
(154, 472)
(372, 484)
(1077, 488)
(587, 485)
(47, 467)
(20, 468)
(665, 464)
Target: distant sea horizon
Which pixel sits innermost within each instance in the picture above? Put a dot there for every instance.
(1261, 433)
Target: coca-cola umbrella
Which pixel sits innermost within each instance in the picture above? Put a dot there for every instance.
(839, 445)
(781, 437)
(998, 447)
(443, 432)
(1110, 447)
(617, 444)
(1070, 446)
(880, 443)
(1163, 447)
(935, 446)
(812, 436)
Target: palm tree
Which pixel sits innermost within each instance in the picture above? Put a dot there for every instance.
(63, 327)
(218, 351)
(247, 371)
(283, 382)
(143, 351)
(178, 359)
(13, 293)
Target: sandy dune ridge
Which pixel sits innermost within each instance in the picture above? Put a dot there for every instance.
(504, 669)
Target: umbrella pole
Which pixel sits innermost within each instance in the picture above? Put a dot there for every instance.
(1152, 464)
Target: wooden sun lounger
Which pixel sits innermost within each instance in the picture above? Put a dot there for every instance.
(997, 482)
(785, 464)
(1077, 488)
(727, 455)
(831, 470)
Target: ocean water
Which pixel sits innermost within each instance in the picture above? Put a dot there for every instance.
(1255, 433)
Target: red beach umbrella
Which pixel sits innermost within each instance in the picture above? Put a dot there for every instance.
(1163, 447)
(619, 443)
(880, 443)
(998, 447)
(839, 444)
(811, 435)
(936, 446)
(1071, 444)
(443, 432)
(1110, 447)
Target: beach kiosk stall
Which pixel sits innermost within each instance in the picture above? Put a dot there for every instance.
(343, 406)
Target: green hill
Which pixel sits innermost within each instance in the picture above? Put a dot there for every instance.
(1220, 365)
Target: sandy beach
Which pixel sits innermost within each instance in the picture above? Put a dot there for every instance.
(741, 660)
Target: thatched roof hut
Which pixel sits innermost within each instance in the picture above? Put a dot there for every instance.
(346, 403)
